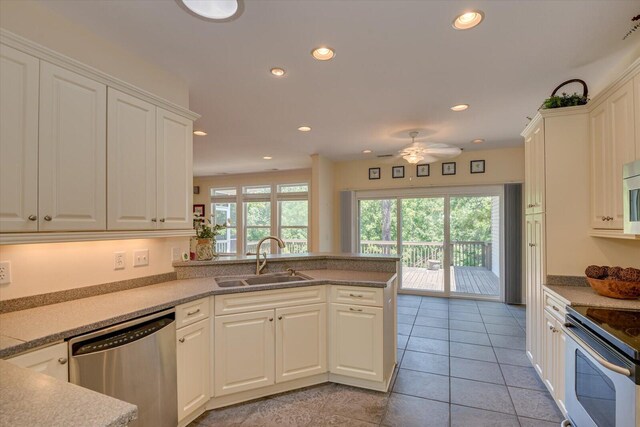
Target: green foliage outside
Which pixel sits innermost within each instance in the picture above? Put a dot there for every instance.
(422, 223)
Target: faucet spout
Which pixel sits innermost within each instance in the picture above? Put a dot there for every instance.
(260, 266)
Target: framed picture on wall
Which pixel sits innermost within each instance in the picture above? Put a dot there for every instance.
(477, 166)
(374, 173)
(422, 170)
(397, 172)
(198, 210)
(449, 168)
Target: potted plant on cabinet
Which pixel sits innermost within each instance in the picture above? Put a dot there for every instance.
(566, 100)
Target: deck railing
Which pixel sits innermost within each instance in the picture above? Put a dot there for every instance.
(429, 254)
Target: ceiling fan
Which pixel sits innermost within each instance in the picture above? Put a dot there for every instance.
(424, 152)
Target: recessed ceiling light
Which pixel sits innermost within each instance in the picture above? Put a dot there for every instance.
(199, 132)
(468, 20)
(366, 151)
(267, 157)
(323, 53)
(278, 72)
(477, 141)
(212, 9)
(304, 128)
(460, 107)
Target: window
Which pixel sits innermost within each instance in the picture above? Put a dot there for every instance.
(262, 210)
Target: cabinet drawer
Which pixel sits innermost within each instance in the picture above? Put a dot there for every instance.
(50, 361)
(191, 312)
(357, 295)
(555, 307)
(263, 300)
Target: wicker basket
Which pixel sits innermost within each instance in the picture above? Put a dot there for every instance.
(615, 288)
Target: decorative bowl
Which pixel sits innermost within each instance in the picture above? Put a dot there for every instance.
(615, 288)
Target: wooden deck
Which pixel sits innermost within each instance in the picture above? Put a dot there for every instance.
(467, 280)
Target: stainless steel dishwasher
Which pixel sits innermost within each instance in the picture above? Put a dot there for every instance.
(134, 361)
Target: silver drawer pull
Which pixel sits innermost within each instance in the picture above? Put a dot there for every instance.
(356, 296)
(354, 309)
(191, 313)
(32, 217)
(181, 340)
(62, 360)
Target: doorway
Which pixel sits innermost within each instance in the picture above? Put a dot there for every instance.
(449, 239)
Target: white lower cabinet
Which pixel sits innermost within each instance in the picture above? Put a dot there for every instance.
(356, 343)
(193, 364)
(553, 348)
(301, 341)
(244, 351)
(50, 361)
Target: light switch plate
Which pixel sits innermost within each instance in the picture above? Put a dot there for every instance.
(5, 272)
(141, 258)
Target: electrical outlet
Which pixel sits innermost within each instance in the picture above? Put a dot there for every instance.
(141, 258)
(176, 254)
(119, 261)
(5, 272)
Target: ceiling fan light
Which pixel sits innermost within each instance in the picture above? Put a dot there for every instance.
(413, 158)
(212, 9)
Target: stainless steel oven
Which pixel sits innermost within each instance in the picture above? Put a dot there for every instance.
(602, 368)
(631, 197)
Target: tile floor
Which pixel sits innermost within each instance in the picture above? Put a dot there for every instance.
(462, 363)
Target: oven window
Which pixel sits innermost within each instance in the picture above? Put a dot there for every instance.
(595, 391)
(634, 205)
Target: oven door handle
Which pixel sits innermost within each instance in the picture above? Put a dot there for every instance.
(601, 360)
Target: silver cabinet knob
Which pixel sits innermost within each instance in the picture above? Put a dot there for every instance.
(62, 360)
(181, 340)
(279, 317)
(161, 219)
(47, 218)
(32, 217)
(271, 319)
(154, 220)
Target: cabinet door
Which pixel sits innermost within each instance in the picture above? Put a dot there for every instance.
(174, 169)
(50, 361)
(549, 351)
(193, 361)
(72, 151)
(559, 363)
(600, 167)
(531, 314)
(131, 163)
(356, 341)
(636, 110)
(244, 351)
(301, 341)
(538, 196)
(539, 276)
(19, 83)
(622, 147)
(528, 173)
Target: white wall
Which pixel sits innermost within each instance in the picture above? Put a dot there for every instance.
(43, 268)
(39, 24)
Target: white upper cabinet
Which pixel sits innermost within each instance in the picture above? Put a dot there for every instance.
(636, 105)
(612, 145)
(131, 159)
(18, 141)
(535, 169)
(174, 170)
(72, 151)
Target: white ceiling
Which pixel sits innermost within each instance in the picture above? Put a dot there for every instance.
(399, 66)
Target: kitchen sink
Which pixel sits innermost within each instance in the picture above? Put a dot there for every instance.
(266, 279)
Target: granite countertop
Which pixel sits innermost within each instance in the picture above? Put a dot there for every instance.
(584, 295)
(223, 260)
(33, 399)
(26, 329)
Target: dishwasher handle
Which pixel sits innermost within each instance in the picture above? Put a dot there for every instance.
(120, 335)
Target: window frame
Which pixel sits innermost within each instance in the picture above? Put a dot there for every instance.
(274, 197)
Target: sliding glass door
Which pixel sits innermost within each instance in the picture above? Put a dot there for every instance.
(423, 244)
(449, 240)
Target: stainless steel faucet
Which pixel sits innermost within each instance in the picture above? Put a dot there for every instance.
(260, 266)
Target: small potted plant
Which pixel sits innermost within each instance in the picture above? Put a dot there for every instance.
(206, 233)
(566, 100)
